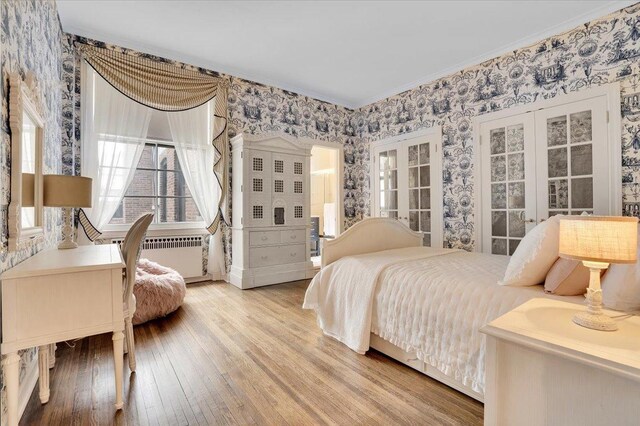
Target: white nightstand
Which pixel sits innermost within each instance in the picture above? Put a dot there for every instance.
(542, 369)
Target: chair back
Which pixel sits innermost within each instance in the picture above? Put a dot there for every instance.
(131, 247)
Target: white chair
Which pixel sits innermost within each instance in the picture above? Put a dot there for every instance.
(131, 248)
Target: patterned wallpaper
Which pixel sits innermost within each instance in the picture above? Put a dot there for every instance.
(596, 53)
(31, 41)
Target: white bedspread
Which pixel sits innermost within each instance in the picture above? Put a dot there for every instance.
(430, 306)
(342, 293)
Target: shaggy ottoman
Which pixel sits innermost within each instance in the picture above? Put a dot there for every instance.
(158, 291)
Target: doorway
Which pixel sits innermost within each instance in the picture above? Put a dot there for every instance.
(326, 197)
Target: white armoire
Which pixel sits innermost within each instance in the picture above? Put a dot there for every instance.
(271, 217)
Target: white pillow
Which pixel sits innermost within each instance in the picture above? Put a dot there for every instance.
(535, 255)
(621, 286)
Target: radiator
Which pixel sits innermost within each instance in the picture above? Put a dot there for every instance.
(184, 254)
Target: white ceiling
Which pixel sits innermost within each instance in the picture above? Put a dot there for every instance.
(351, 53)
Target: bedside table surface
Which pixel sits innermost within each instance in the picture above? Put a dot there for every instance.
(546, 324)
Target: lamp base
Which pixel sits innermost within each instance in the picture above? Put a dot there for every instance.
(67, 244)
(598, 321)
(67, 230)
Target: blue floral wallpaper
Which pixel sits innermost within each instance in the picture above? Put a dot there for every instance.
(32, 40)
(596, 53)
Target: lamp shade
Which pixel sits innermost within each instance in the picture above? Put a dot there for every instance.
(66, 191)
(606, 239)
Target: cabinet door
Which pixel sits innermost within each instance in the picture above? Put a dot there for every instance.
(508, 187)
(257, 189)
(573, 159)
(408, 185)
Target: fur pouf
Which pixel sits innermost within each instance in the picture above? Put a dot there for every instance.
(159, 291)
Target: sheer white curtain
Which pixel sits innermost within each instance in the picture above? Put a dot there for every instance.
(113, 132)
(192, 134)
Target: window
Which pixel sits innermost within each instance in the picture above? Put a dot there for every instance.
(257, 164)
(278, 166)
(278, 185)
(297, 168)
(297, 212)
(258, 212)
(297, 187)
(158, 185)
(257, 185)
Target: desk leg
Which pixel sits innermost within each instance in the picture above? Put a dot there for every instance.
(118, 355)
(52, 355)
(11, 368)
(43, 369)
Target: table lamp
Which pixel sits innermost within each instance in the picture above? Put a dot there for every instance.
(598, 241)
(67, 192)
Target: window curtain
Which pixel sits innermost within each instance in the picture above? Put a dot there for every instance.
(166, 86)
(113, 129)
(191, 132)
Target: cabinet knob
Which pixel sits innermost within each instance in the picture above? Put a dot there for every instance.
(264, 238)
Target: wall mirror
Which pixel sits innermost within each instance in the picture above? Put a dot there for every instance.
(26, 119)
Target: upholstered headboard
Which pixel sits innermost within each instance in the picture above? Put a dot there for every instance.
(368, 236)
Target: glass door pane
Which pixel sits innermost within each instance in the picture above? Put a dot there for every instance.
(419, 187)
(508, 187)
(508, 182)
(388, 183)
(572, 137)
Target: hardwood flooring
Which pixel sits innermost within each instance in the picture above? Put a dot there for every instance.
(243, 357)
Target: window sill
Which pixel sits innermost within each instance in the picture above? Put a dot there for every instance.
(158, 231)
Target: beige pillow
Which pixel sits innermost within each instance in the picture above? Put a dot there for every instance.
(621, 285)
(567, 278)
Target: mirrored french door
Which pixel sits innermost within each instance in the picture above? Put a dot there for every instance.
(408, 184)
(539, 164)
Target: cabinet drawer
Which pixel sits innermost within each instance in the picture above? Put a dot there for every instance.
(258, 238)
(293, 237)
(264, 256)
(292, 253)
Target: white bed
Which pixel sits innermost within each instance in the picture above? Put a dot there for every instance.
(424, 307)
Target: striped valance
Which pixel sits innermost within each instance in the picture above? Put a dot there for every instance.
(166, 87)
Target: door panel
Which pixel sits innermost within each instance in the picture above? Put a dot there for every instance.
(419, 184)
(570, 139)
(508, 182)
(388, 183)
(408, 185)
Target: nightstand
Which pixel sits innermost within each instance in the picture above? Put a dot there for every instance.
(542, 369)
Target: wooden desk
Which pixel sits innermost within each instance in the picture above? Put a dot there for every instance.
(542, 369)
(60, 295)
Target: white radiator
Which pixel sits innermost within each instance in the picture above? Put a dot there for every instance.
(184, 254)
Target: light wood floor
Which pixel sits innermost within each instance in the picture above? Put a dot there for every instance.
(243, 357)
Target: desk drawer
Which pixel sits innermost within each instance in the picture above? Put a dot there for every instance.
(65, 305)
(296, 236)
(263, 238)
